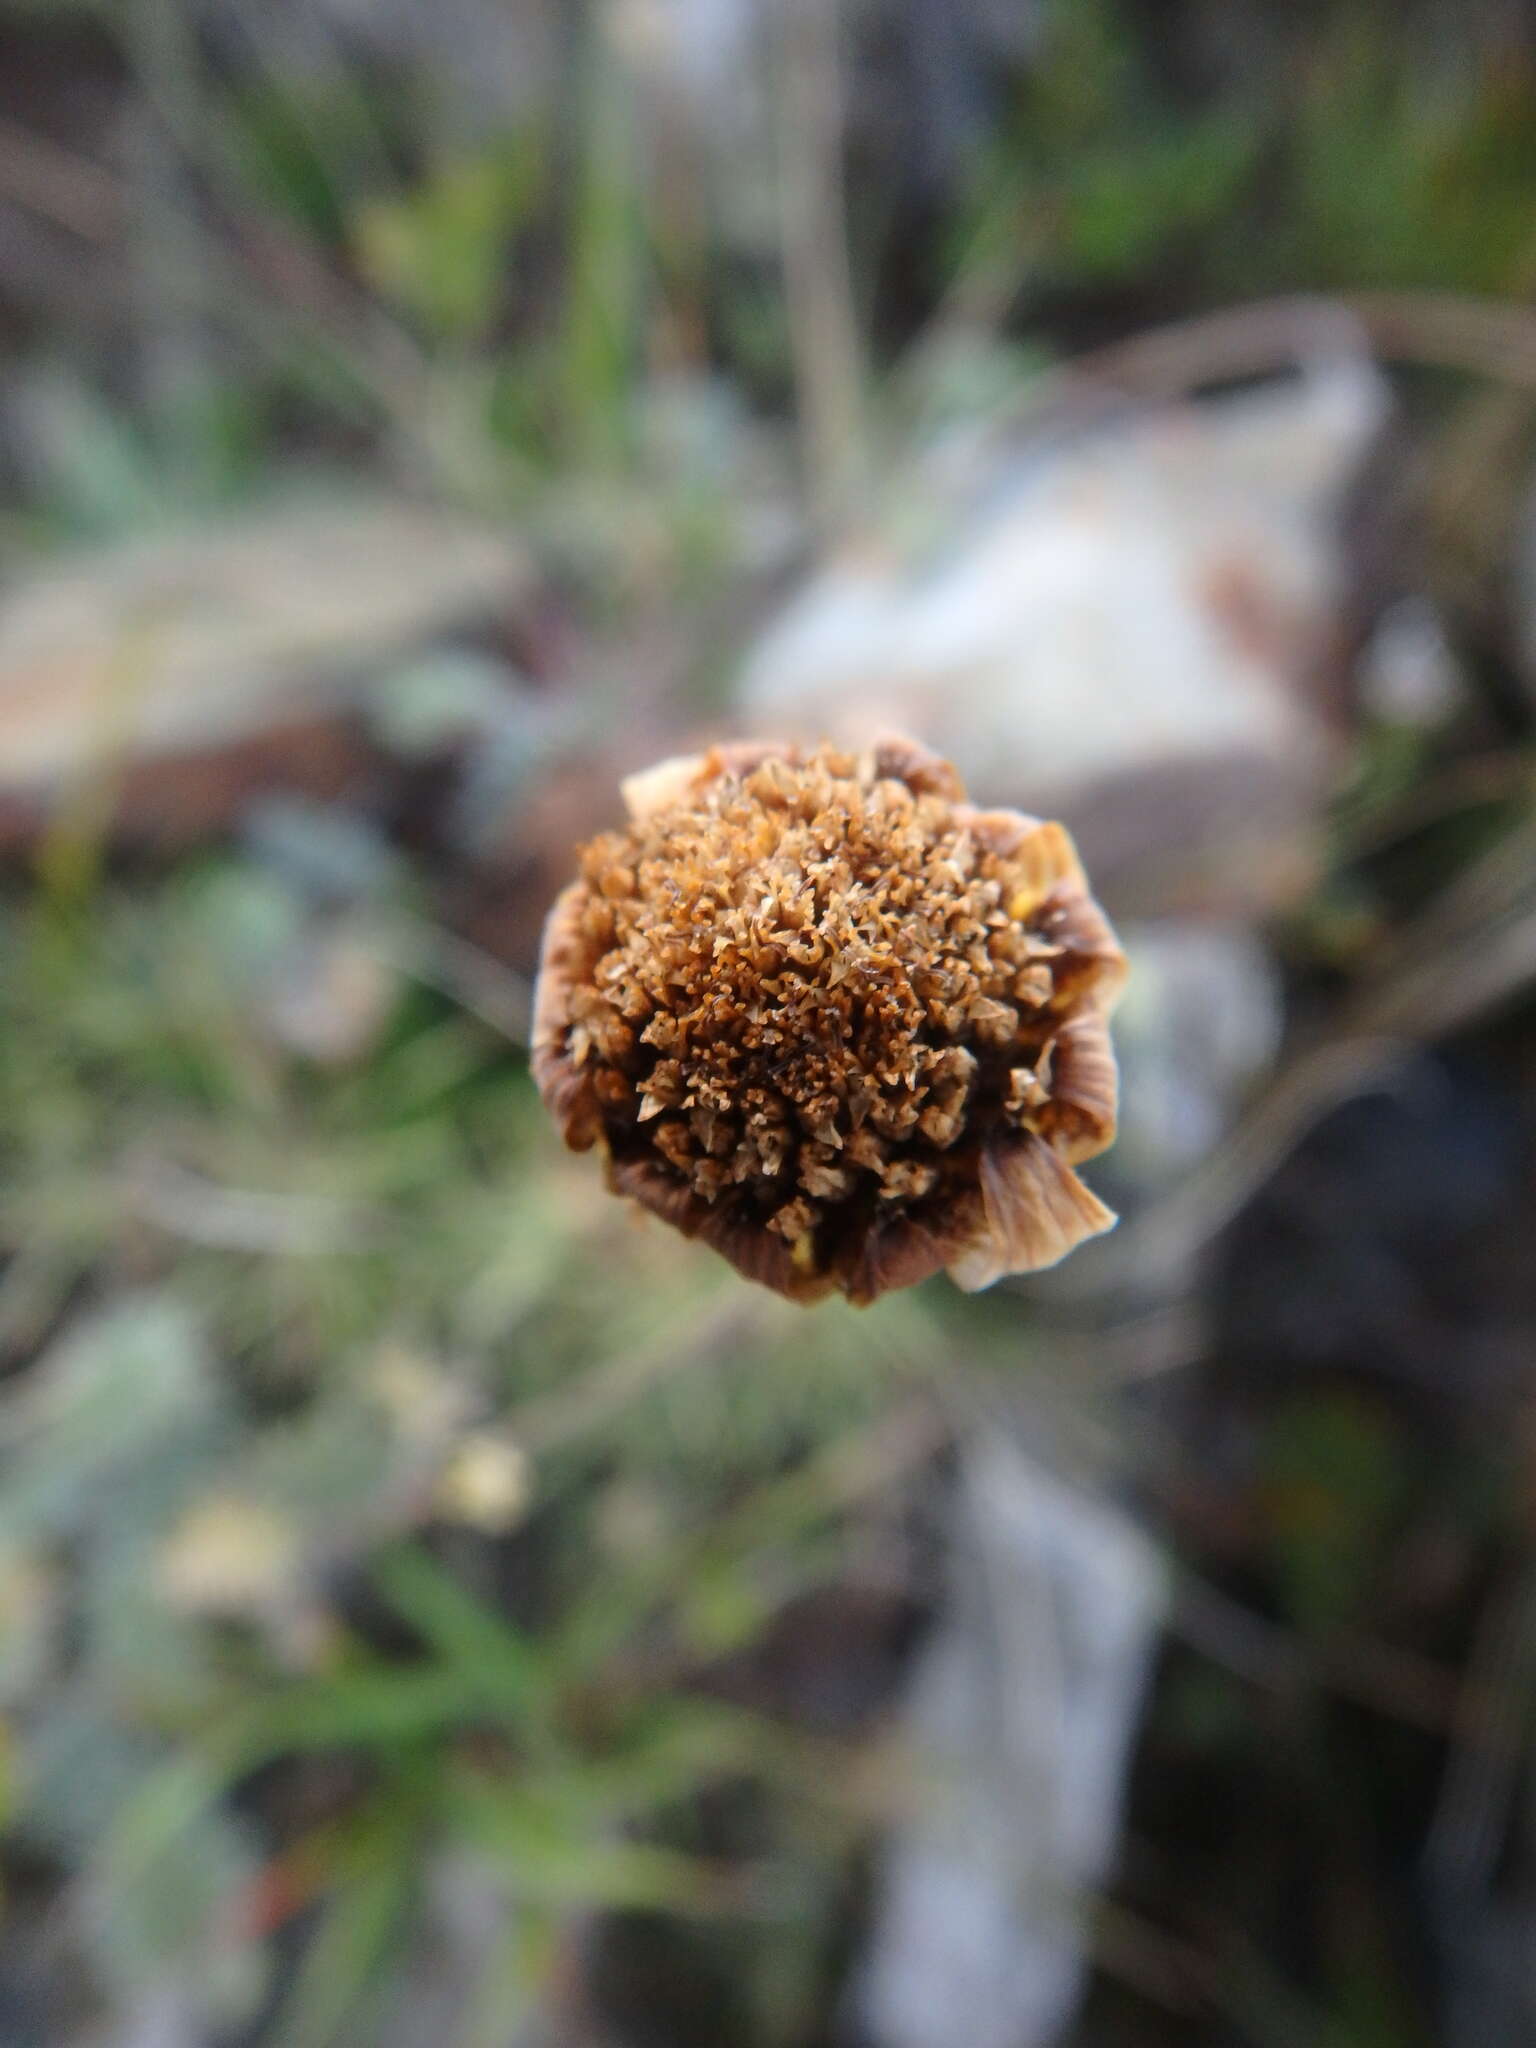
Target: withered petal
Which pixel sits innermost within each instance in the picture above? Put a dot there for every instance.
(1034, 1210)
(657, 788)
(1085, 1087)
(894, 1255)
(1040, 847)
(681, 776)
(923, 771)
(564, 961)
(755, 1253)
(1081, 928)
(1000, 832)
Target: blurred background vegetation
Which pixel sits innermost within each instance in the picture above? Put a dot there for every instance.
(433, 1606)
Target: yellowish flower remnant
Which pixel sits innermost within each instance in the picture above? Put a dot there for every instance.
(228, 1555)
(487, 1483)
(823, 1013)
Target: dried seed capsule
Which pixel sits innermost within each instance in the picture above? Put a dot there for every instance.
(872, 1020)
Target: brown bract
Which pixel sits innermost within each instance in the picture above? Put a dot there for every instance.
(821, 1012)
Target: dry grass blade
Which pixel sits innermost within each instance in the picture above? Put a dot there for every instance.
(1428, 330)
(464, 972)
(188, 1206)
(58, 184)
(1473, 950)
(824, 335)
(1488, 1733)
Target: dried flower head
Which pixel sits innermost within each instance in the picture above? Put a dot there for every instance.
(822, 1013)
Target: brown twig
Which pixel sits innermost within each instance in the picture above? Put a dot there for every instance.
(823, 327)
(58, 184)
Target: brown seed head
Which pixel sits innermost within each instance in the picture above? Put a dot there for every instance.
(821, 1012)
